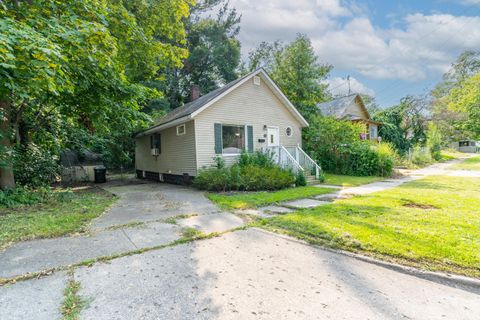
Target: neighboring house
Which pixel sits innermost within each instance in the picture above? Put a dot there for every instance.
(467, 146)
(353, 109)
(248, 114)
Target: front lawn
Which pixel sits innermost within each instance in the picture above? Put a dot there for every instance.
(349, 181)
(67, 212)
(251, 200)
(433, 223)
(471, 164)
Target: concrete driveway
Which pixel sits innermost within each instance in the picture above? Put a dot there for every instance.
(153, 201)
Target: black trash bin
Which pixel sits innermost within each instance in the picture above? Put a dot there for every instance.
(100, 174)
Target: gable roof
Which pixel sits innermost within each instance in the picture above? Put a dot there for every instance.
(338, 107)
(191, 109)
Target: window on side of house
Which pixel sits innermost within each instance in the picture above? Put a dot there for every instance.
(233, 138)
(181, 130)
(373, 132)
(289, 131)
(155, 142)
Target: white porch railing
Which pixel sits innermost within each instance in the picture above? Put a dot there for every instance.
(307, 162)
(284, 158)
(296, 159)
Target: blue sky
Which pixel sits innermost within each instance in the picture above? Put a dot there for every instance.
(389, 48)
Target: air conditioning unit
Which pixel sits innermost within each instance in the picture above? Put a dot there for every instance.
(155, 152)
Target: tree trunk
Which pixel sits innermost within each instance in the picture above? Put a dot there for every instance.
(7, 179)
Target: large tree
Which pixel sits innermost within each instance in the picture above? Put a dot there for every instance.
(214, 52)
(297, 71)
(71, 63)
(404, 125)
(465, 99)
(451, 120)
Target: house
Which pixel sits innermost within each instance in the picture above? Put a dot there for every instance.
(351, 108)
(248, 114)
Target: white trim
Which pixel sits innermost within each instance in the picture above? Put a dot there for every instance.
(271, 84)
(184, 129)
(231, 154)
(164, 126)
(196, 146)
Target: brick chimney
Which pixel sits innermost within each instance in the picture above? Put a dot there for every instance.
(194, 92)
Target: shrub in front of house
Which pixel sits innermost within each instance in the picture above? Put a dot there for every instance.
(259, 178)
(253, 172)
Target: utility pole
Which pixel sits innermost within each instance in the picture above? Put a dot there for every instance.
(348, 79)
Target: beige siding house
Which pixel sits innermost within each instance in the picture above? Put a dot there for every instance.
(351, 108)
(246, 115)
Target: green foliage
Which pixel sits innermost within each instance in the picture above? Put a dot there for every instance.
(296, 70)
(435, 141)
(35, 167)
(465, 98)
(219, 162)
(455, 122)
(258, 158)
(253, 171)
(386, 158)
(24, 196)
(403, 125)
(300, 180)
(337, 147)
(84, 65)
(420, 156)
(213, 179)
(214, 51)
(259, 178)
(249, 177)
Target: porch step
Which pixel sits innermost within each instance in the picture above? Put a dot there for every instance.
(311, 180)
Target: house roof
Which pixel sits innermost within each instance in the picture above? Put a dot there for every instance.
(191, 109)
(338, 108)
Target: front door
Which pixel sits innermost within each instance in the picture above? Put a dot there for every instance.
(273, 137)
(273, 141)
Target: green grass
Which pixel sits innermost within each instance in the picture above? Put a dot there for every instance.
(58, 217)
(73, 303)
(251, 200)
(471, 164)
(349, 181)
(433, 223)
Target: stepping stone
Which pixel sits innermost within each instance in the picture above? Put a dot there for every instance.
(216, 222)
(328, 197)
(276, 209)
(327, 186)
(304, 203)
(255, 212)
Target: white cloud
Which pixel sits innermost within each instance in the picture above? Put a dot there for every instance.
(339, 87)
(342, 34)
